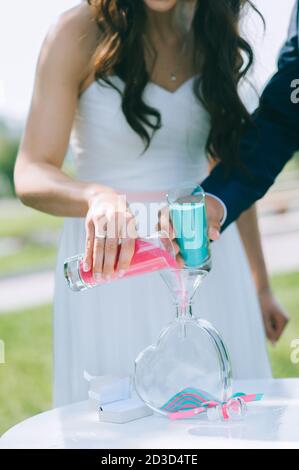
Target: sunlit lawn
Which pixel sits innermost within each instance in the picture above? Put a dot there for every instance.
(26, 377)
(35, 235)
(31, 257)
(20, 221)
(287, 289)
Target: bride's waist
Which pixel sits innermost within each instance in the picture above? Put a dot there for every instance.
(151, 184)
(146, 191)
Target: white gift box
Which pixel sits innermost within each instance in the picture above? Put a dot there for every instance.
(114, 399)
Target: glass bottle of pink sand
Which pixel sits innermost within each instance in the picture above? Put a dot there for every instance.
(151, 254)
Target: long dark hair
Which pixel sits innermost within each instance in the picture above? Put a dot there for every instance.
(226, 59)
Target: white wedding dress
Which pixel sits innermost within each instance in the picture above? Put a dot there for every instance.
(102, 330)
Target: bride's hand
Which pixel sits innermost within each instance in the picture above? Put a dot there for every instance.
(274, 316)
(108, 223)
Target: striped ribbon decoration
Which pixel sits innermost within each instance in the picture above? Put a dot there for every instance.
(192, 401)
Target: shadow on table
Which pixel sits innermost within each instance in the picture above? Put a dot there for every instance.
(264, 422)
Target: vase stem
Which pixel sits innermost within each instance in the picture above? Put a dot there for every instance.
(184, 310)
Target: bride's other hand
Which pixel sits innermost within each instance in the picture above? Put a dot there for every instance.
(165, 225)
(274, 316)
(109, 223)
(215, 214)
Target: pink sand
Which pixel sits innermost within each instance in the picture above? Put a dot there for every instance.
(147, 258)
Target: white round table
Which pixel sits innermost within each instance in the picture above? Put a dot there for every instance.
(273, 422)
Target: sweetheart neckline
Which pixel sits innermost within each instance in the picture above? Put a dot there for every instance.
(150, 83)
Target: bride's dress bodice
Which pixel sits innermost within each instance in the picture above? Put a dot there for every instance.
(106, 149)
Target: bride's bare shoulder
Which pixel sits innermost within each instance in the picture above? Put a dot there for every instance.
(79, 22)
(72, 38)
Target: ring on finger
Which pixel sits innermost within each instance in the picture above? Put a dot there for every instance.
(99, 236)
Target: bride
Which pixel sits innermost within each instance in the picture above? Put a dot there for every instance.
(145, 90)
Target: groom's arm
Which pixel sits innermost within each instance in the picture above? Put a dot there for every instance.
(265, 149)
(290, 50)
(268, 144)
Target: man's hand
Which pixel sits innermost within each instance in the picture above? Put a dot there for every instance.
(215, 214)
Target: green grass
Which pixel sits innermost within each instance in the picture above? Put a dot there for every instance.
(29, 227)
(292, 166)
(287, 289)
(26, 376)
(22, 222)
(31, 257)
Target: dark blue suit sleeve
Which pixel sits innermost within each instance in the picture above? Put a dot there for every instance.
(290, 50)
(269, 143)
